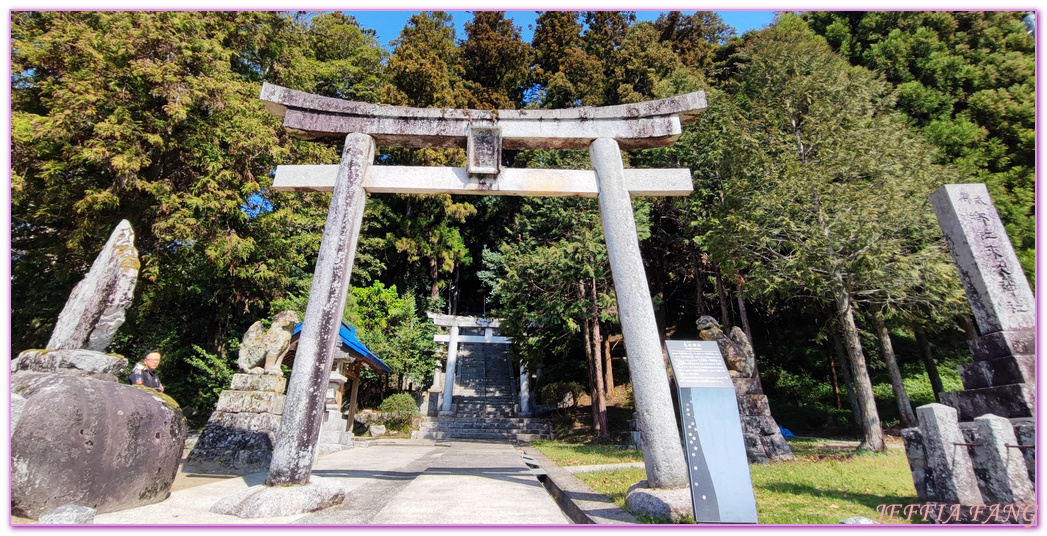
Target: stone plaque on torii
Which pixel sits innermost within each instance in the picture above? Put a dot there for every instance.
(604, 131)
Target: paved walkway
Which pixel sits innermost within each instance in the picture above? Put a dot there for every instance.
(406, 482)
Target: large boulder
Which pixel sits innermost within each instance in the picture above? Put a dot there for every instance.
(95, 308)
(93, 443)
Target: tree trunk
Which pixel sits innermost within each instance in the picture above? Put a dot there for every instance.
(454, 290)
(840, 356)
(836, 383)
(596, 394)
(872, 432)
(699, 294)
(598, 346)
(608, 373)
(725, 315)
(928, 361)
(897, 383)
(434, 287)
(742, 314)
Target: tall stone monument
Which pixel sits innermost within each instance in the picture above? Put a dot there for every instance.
(1001, 379)
(604, 131)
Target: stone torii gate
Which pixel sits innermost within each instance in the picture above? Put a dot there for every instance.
(604, 131)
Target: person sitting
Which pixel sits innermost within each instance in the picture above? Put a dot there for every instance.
(144, 372)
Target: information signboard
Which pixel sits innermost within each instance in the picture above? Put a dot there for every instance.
(721, 486)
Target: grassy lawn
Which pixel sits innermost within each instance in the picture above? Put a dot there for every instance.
(568, 454)
(825, 484)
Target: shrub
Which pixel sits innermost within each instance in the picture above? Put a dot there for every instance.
(553, 394)
(400, 409)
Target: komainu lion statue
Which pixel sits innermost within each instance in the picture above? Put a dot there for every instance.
(261, 351)
(736, 350)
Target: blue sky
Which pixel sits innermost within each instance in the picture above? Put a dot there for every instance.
(389, 23)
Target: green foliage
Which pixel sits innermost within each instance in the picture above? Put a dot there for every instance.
(966, 78)
(402, 408)
(388, 324)
(556, 392)
(211, 375)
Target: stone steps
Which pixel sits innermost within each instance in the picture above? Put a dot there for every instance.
(517, 428)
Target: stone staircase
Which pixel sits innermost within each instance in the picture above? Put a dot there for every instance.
(485, 405)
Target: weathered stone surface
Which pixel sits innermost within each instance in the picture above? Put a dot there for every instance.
(761, 424)
(99, 444)
(484, 150)
(1003, 343)
(250, 402)
(747, 386)
(376, 430)
(1005, 476)
(636, 125)
(948, 463)
(509, 181)
(734, 347)
(663, 454)
(1025, 431)
(69, 514)
(265, 348)
(265, 501)
(857, 520)
(990, 272)
(89, 363)
(914, 452)
(753, 405)
(1001, 371)
(255, 382)
(95, 309)
(660, 503)
(296, 443)
(17, 406)
(1011, 401)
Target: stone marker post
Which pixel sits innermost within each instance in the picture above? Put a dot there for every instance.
(1001, 378)
(1007, 479)
(296, 443)
(663, 453)
(946, 454)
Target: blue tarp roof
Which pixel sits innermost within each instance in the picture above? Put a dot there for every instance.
(349, 339)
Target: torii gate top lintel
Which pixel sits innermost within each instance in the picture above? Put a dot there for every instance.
(640, 125)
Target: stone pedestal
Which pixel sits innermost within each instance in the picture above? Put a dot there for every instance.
(1001, 378)
(240, 434)
(763, 439)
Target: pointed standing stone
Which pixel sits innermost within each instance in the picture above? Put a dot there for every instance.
(95, 309)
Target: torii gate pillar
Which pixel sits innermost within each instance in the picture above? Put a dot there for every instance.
(296, 441)
(663, 455)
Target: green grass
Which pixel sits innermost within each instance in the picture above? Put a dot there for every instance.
(825, 484)
(567, 454)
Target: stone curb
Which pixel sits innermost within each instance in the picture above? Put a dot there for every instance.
(580, 503)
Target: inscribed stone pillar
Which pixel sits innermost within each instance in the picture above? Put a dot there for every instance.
(452, 359)
(1000, 379)
(947, 458)
(660, 437)
(303, 413)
